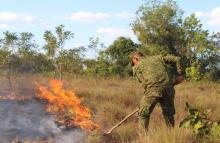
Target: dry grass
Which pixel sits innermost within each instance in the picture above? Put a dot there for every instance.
(112, 99)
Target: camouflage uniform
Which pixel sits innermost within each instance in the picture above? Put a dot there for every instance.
(153, 74)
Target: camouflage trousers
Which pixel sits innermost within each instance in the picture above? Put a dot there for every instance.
(165, 98)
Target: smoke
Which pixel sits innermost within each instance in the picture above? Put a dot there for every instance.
(27, 120)
(75, 136)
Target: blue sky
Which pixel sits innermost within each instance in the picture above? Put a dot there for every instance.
(106, 19)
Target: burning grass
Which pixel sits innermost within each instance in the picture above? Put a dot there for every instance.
(66, 106)
(112, 99)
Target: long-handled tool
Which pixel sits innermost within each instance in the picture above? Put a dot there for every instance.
(122, 121)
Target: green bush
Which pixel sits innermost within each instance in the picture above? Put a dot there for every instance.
(193, 73)
(213, 75)
(199, 122)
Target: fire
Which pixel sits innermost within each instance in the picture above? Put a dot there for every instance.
(66, 106)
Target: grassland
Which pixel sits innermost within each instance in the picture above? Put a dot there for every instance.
(112, 99)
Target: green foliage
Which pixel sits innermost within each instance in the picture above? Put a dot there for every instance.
(212, 74)
(62, 36)
(54, 46)
(3, 55)
(119, 53)
(104, 65)
(161, 29)
(71, 60)
(26, 45)
(51, 44)
(55, 42)
(93, 43)
(193, 73)
(37, 63)
(158, 26)
(19, 54)
(9, 58)
(112, 61)
(89, 67)
(199, 122)
(9, 41)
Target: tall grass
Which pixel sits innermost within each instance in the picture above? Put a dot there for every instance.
(112, 99)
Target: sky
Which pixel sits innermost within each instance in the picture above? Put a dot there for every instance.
(106, 19)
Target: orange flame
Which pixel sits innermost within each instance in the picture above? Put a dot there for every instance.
(66, 106)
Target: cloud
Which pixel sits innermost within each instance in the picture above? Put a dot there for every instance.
(214, 21)
(6, 26)
(213, 16)
(83, 16)
(202, 14)
(11, 17)
(215, 12)
(124, 15)
(8, 16)
(109, 34)
(28, 18)
(87, 16)
(112, 33)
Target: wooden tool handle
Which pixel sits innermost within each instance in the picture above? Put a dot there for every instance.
(122, 121)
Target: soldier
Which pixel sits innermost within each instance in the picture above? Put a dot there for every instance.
(153, 74)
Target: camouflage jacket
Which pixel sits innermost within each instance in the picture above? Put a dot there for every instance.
(152, 71)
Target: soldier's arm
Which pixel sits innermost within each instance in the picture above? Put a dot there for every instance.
(174, 59)
(139, 76)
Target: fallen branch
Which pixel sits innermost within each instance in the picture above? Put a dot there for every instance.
(122, 121)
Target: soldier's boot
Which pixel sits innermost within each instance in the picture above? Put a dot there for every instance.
(170, 121)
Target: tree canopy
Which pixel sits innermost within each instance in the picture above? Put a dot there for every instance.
(160, 26)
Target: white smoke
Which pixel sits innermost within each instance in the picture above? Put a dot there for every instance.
(28, 120)
(75, 136)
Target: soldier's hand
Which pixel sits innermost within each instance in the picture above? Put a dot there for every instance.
(179, 79)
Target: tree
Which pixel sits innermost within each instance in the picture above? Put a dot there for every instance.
(161, 29)
(9, 41)
(51, 44)
(26, 45)
(3, 55)
(55, 42)
(9, 59)
(104, 65)
(9, 51)
(27, 52)
(62, 36)
(71, 60)
(55, 45)
(199, 46)
(93, 43)
(119, 51)
(90, 67)
(157, 26)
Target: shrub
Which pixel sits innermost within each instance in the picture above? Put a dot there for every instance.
(193, 73)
